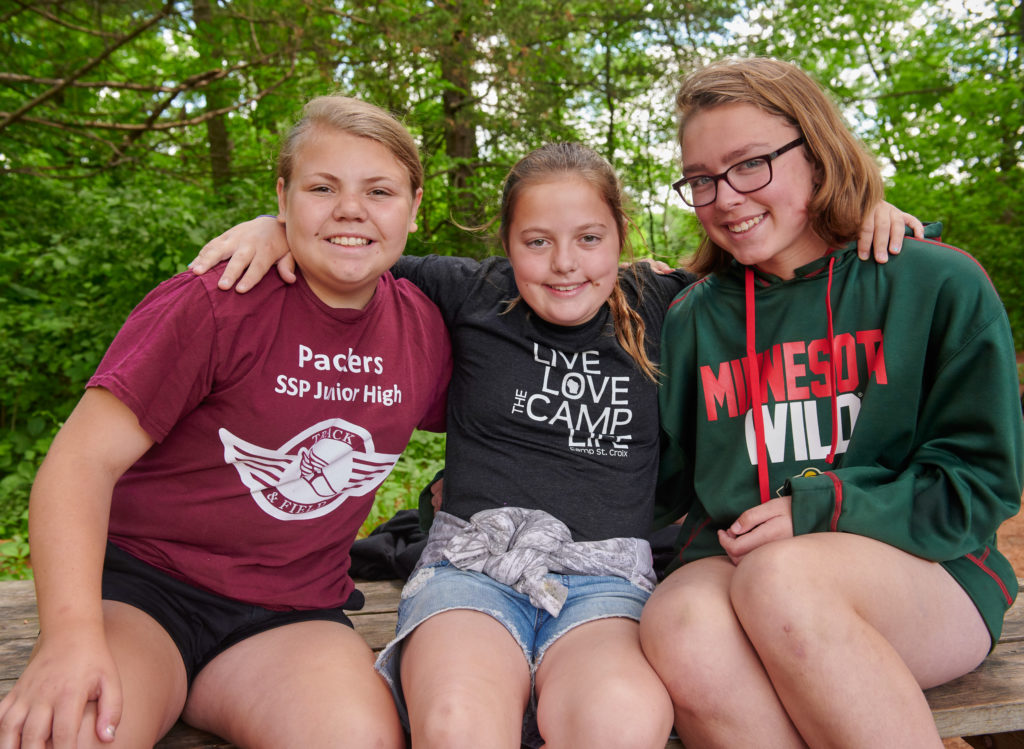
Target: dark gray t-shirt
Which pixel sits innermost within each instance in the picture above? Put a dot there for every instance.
(542, 416)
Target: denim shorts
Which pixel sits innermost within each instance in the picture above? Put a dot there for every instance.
(202, 624)
(440, 587)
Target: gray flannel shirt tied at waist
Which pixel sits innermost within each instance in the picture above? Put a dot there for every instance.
(519, 547)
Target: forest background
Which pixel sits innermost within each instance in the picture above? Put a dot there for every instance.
(132, 131)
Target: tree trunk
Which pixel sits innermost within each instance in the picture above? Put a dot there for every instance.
(459, 132)
(219, 145)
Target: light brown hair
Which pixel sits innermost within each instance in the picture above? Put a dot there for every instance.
(847, 178)
(575, 160)
(358, 118)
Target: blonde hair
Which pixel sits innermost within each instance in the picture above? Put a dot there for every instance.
(847, 178)
(573, 159)
(358, 118)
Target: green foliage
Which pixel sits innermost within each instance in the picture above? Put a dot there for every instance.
(415, 469)
(14, 559)
(132, 132)
(77, 256)
(937, 90)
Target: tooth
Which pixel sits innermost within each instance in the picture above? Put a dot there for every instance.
(748, 224)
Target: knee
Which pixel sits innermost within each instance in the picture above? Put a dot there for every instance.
(624, 714)
(456, 719)
(665, 627)
(448, 723)
(781, 596)
(378, 729)
(680, 634)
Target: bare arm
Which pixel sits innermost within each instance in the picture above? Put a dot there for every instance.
(251, 248)
(68, 513)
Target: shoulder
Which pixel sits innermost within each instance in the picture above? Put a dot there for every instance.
(943, 259)
(405, 298)
(189, 287)
(401, 305)
(931, 266)
(638, 277)
(650, 292)
(448, 280)
(692, 295)
(441, 266)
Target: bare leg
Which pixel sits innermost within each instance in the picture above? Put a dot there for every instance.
(721, 694)
(850, 629)
(308, 684)
(466, 682)
(595, 688)
(152, 679)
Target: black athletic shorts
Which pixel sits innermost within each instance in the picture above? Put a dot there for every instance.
(202, 624)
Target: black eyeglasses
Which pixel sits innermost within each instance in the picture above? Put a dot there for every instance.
(749, 175)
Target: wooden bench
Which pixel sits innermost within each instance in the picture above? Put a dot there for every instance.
(985, 707)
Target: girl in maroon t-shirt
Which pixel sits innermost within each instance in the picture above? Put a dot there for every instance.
(218, 596)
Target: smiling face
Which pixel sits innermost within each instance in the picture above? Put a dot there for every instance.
(347, 209)
(768, 228)
(564, 245)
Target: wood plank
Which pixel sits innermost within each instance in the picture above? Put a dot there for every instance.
(14, 655)
(1013, 623)
(381, 596)
(988, 700)
(377, 629)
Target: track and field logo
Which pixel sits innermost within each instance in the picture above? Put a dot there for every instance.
(313, 473)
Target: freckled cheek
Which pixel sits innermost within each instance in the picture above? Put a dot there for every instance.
(705, 215)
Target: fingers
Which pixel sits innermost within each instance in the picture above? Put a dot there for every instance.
(213, 252)
(888, 240)
(658, 266)
(38, 729)
(12, 718)
(866, 238)
(757, 526)
(41, 725)
(880, 236)
(108, 711)
(250, 248)
(915, 225)
(286, 268)
(67, 723)
(731, 545)
(883, 231)
(246, 265)
(436, 494)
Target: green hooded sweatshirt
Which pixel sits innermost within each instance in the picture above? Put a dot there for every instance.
(925, 420)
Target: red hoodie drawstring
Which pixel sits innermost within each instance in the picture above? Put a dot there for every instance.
(754, 383)
(832, 361)
(754, 380)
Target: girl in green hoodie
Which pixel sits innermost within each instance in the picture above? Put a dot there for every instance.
(844, 438)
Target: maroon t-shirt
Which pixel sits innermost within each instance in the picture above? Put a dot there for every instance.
(276, 418)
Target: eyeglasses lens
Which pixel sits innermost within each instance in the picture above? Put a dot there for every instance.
(747, 176)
